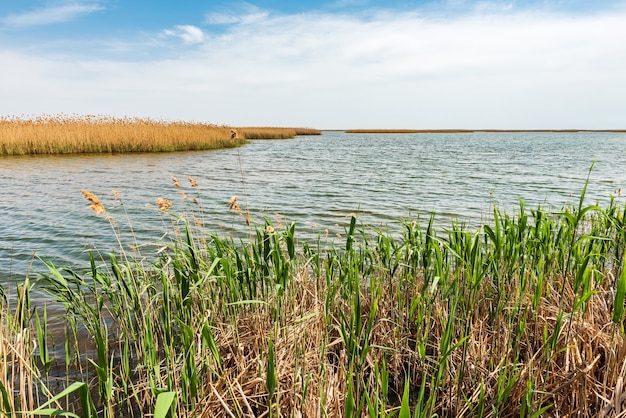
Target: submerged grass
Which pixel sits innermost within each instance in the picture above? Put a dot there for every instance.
(64, 134)
(522, 317)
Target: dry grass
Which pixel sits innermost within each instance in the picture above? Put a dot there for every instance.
(273, 133)
(405, 131)
(64, 134)
(585, 378)
(21, 386)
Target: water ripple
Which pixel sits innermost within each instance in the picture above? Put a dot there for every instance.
(317, 181)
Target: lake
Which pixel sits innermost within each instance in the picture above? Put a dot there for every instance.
(318, 181)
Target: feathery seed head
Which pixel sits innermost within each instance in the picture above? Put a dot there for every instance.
(96, 205)
(163, 204)
(233, 205)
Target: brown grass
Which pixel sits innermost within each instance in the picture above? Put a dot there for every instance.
(21, 385)
(67, 134)
(273, 133)
(584, 378)
(404, 131)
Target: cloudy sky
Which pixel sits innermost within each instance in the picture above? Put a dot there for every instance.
(519, 64)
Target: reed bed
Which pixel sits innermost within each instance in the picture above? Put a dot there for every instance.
(67, 134)
(405, 131)
(273, 133)
(521, 317)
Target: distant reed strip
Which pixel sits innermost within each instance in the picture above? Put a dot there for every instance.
(65, 134)
(404, 131)
(273, 133)
(448, 131)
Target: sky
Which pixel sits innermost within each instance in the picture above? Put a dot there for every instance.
(336, 64)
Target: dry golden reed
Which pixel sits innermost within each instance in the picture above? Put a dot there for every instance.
(72, 134)
(96, 205)
(273, 133)
(234, 206)
(163, 204)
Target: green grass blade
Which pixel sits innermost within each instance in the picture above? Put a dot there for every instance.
(165, 402)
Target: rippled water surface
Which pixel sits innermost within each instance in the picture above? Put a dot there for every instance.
(317, 181)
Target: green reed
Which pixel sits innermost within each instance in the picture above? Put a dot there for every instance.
(522, 316)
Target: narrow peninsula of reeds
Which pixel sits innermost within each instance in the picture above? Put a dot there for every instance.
(64, 134)
(523, 316)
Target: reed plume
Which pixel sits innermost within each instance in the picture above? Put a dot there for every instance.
(234, 206)
(163, 204)
(96, 205)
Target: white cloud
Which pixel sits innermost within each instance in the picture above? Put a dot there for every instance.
(242, 13)
(490, 70)
(50, 15)
(188, 33)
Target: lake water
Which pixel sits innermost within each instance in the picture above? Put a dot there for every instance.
(317, 181)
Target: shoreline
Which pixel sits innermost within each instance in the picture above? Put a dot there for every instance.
(62, 134)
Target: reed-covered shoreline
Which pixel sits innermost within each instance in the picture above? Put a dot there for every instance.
(66, 134)
(523, 316)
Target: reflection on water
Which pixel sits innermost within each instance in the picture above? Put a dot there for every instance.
(318, 181)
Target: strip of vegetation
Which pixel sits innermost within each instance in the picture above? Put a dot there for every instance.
(274, 133)
(405, 131)
(448, 131)
(63, 134)
(521, 317)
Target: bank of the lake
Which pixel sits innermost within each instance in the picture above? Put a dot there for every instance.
(483, 312)
(523, 316)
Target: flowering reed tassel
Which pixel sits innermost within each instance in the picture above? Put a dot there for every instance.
(193, 181)
(233, 205)
(96, 205)
(176, 183)
(163, 204)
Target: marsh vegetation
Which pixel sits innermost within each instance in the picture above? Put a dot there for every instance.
(67, 134)
(522, 316)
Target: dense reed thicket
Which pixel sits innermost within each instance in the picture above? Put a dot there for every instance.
(521, 317)
(64, 134)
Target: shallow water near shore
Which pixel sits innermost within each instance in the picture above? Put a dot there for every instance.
(316, 181)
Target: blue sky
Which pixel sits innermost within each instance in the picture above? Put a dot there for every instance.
(336, 64)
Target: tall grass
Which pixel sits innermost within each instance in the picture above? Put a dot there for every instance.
(65, 134)
(273, 133)
(521, 317)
